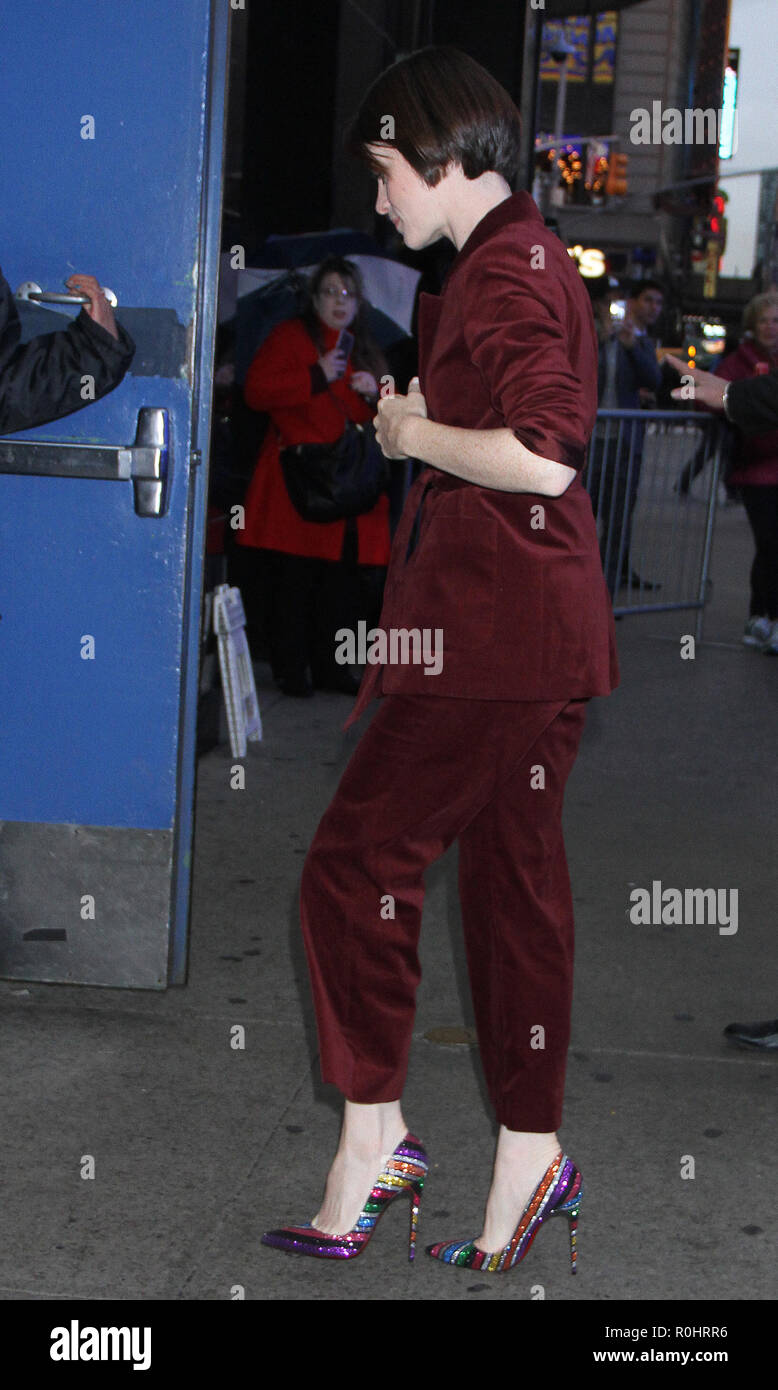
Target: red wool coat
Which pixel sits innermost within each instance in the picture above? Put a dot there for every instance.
(280, 381)
(755, 455)
(524, 609)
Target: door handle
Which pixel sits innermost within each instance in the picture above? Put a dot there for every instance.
(30, 291)
(147, 462)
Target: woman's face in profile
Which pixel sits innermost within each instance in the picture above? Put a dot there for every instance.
(409, 203)
(336, 301)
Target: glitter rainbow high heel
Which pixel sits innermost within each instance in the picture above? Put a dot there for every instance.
(558, 1193)
(403, 1174)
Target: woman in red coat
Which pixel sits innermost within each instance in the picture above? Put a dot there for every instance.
(756, 472)
(502, 583)
(309, 388)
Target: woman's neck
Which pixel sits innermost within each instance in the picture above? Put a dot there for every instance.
(470, 200)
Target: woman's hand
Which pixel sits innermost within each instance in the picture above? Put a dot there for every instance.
(365, 383)
(707, 388)
(333, 364)
(393, 411)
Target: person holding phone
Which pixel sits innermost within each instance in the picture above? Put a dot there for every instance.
(309, 374)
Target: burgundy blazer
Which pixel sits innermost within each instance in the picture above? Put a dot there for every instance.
(523, 607)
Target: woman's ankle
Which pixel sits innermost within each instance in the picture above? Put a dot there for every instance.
(522, 1157)
(371, 1130)
(519, 1165)
(523, 1145)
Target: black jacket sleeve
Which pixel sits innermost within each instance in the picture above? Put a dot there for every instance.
(42, 379)
(752, 404)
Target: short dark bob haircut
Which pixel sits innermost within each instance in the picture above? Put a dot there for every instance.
(438, 106)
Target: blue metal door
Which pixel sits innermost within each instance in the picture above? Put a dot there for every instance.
(112, 134)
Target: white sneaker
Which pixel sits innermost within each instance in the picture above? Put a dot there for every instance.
(770, 644)
(757, 631)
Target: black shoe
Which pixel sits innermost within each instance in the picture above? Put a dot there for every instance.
(634, 581)
(762, 1035)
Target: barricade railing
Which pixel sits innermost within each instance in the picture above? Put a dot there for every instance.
(655, 529)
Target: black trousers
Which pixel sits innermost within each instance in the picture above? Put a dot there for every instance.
(761, 504)
(309, 600)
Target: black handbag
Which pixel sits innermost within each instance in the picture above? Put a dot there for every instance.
(329, 482)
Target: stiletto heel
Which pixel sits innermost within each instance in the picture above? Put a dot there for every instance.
(573, 1251)
(416, 1192)
(402, 1175)
(559, 1193)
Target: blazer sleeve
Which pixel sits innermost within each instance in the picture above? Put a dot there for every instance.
(42, 380)
(517, 333)
(285, 371)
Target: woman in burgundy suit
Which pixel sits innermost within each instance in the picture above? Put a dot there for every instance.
(505, 563)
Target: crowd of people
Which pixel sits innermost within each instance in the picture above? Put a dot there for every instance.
(318, 578)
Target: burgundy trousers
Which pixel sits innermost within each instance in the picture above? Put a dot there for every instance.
(429, 770)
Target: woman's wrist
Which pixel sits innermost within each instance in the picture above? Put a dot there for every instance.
(412, 437)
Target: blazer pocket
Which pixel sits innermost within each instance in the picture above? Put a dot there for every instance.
(450, 581)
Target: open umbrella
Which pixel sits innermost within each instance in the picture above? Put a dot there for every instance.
(263, 294)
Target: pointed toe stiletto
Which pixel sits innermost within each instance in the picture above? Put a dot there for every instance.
(558, 1193)
(402, 1175)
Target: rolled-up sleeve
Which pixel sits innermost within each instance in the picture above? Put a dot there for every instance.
(523, 330)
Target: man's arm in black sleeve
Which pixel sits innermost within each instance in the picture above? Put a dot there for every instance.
(43, 379)
(752, 404)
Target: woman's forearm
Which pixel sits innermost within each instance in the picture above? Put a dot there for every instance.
(489, 458)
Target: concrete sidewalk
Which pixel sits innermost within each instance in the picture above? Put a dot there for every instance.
(199, 1146)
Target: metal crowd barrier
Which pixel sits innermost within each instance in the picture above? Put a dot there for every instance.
(653, 525)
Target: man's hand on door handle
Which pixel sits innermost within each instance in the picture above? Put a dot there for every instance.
(98, 307)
